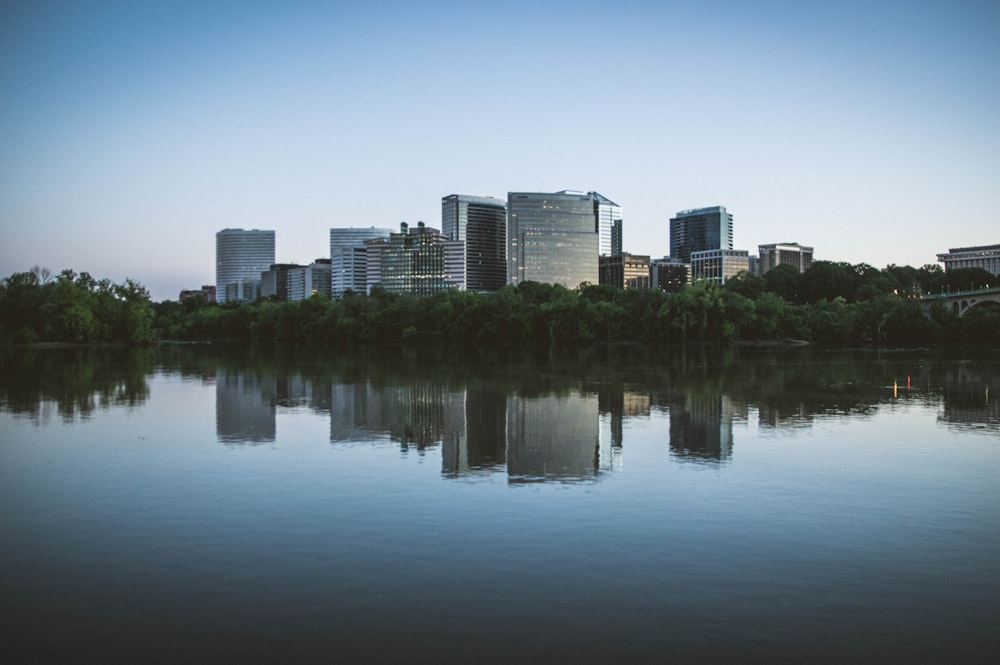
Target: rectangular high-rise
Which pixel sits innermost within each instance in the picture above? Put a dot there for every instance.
(552, 238)
(240, 257)
(699, 230)
(348, 258)
(608, 224)
(481, 223)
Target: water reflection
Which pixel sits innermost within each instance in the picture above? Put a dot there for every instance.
(551, 417)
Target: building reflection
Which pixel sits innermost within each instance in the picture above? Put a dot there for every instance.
(245, 406)
(701, 428)
(552, 437)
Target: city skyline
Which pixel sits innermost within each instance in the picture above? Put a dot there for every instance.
(133, 132)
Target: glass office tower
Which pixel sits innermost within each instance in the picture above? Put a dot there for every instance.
(551, 238)
(240, 257)
(481, 223)
(699, 230)
(608, 224)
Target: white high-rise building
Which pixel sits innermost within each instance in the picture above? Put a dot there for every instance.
(240, 257)
(348, 258)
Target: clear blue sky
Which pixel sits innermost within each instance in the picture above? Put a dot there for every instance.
(130, 132)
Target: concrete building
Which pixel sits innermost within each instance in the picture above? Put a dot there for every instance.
(986, 257)
(719, 264)
(274, 281)
(481, 223)
(699, 230)
(626, 271)
(668, 275)
(349, 258)
(241, 255)
(552, 238)
(311, 280)
(785, 253)
(421, 261)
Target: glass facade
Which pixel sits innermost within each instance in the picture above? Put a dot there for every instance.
(551, 238)
(626, 271)
(608, 224)
(241, 255)
(481, 223)
(699, 230)
(421, 261)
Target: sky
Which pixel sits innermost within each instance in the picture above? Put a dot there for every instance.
(131, 132)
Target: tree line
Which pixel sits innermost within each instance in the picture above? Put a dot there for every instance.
(835, 304)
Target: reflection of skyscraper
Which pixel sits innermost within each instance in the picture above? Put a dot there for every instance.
(482, 445)
(552, 437)
(244, 407)
(701, 429)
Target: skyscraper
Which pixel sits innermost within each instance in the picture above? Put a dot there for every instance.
(481, 223)
(699, 230)
(348, 258)
(240, 257)
(552, 238)
(608, 224)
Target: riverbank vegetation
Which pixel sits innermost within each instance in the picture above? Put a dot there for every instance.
(834, 304)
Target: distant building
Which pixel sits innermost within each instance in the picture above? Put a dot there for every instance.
(626, 271)
(421, 261)
(241, 255)
(207, 292)
(274, 281)
(699, 230)
(755, 266)
(719, 265)
(481, 223)
(986, 257)
(785, 253)
(311, 280)
(668, 275)
(552, 238)
(250, 290)
(349, 258)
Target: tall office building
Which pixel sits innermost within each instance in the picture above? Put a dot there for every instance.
(552, 238)
(240, 257)
(608, 224)
(421, 261)
(785, 253)
(481, 223)
(348, 258)
(699, 230)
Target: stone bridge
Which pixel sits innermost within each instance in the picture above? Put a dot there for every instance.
(961, 302)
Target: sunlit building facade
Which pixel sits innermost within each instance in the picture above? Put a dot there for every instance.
(481, 223)
(699, 230)
(608, 224)
(552, 238)
(240, 257)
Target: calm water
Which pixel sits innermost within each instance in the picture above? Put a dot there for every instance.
(196, 504)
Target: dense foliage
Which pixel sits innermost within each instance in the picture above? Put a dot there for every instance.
(830, 304)
(73, 308)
